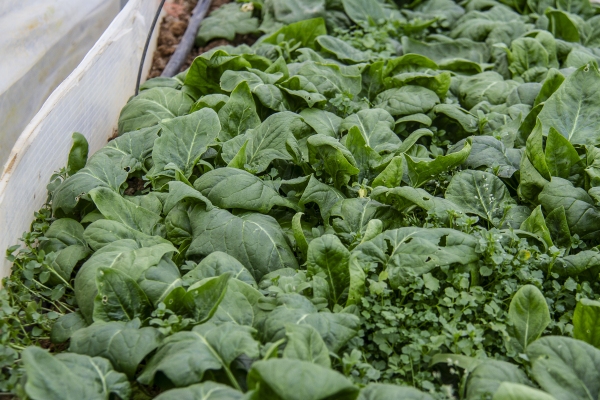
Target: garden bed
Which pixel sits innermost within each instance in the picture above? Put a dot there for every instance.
(371, 201)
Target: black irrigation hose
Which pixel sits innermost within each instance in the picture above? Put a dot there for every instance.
(141, 69)
(187, 41)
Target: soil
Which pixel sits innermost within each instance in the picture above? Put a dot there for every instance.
(172, 29)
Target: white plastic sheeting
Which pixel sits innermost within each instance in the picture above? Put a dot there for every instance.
(41, 42)
(88, 101)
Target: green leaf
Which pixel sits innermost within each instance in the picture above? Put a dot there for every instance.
(183, 141)
(406, 100)
(356, 290)
(376, 127)
(487, 377)
(382, 391)
(557, 224)
(225, 22)
(517, 391)
(571, 109)
(115, 207)
(323, 195)
(391, 176)
(582, 216)
(234, 188)
(364, 11)
(561, 157)
(125, 345)
(341, 50)
(238, 114)
(529, 316)
(216, 264)
(255, 240)
(335, 328)
(536, 224)
(303, 32)
(151, 107)
(71, 377)
(203, 298)
(205, 391)
(304, 343)
(490, 152)
(207, 347)
(323, 122)
(479, 193)
(119, 297)
(409, 252)
(328, 256)
(421, 171)
(205, 72)
(586, 322)
(78, 153)
(330, 155)
(565, 367)
(299, 236)
(64, 327)
(298, 380)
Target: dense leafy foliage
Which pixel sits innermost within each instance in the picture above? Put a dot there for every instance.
(376, 200)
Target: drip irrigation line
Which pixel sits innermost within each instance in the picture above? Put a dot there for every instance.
(187, 41)
(141, 69)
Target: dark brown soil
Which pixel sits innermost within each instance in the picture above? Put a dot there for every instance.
(134, 185)
(172, 28)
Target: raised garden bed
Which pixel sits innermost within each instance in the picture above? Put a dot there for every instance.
(374, 200)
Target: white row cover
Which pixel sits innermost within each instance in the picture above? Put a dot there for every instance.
(88, 101)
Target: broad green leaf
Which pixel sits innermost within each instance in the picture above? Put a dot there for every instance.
(341, 50)
(557, 224)
(406, 100)
(335, 328)
(582, 216)
(253, 239)
(561, 157)
(331, 79)
(303, 32)
(517, 391)
(409, 252)
(391, 176)
(323, 195)
(382, 391)
(302, 88)
(304, 343)
(405, 197)
(299, 236)
(575, 264)
(225, 22)
(529, 315)
(437, 82)
(367, 160)
(323, 122)
(448, 51)
(159, 280)
(207, 347)
(65, 232)
(235, 188)
(356, 290)
(479, 193)
(268, 142)
(119, 297)
(586, 322)
(103, 232)
(376, 126)
(202, 298)
(536, 224)
(328, 154)
(421, 171)
(329, 257)
(490, 152)
(565, 367)
(216, 264)
(571, 109)
(205, 72)
(551, 84)
(238, 114)
(124, 344)
(487, 86)
(364, 11)
(151, 107)
(298, 380)
(71, 377)
(78, 154)
(64, 327)
(115, 207)
(487, 377)
(205, 391)
(238, 304)
(214, 101)
(183, 141)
